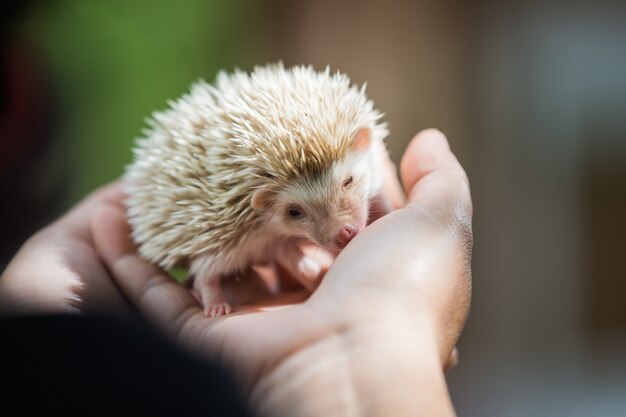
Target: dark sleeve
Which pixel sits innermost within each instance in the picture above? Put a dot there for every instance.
(78, 365)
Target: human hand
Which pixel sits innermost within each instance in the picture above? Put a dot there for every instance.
(373, 337)
(58, 269)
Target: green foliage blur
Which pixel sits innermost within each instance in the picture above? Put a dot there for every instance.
(112, 63)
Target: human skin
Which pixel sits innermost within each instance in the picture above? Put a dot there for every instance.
(58, 269)
(373, 338)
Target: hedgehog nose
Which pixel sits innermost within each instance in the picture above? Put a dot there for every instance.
(345, 235)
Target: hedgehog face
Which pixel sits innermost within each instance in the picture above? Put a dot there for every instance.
(329, 204)
(329, 208)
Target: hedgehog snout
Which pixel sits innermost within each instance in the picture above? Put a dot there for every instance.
(345, 234)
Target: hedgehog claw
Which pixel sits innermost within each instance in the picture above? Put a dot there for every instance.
(209, 294)
(216, 310)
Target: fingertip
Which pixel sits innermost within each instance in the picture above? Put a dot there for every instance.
(452, 361)
(393, 190)
(431, 171)
(111, 193)
(427, 151)
(435, 135)
(111, 232)
(392, 194)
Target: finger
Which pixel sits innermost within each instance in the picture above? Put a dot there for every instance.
(453, 360)
(303, 268)
(441, 209)
(78, 219)
(392, 189)
(157, 296)
(430, 170)
(320, 255)
(437, 184)
(112, 193)
(392, 195)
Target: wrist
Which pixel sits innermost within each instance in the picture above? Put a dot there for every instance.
(378, 369)
(397, 367)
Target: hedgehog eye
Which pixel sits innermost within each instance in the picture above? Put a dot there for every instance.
(348, 181)
(295, 212)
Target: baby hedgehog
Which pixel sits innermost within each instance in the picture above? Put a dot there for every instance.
(240, 172)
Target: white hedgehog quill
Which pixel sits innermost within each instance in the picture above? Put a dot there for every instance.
(236, 173)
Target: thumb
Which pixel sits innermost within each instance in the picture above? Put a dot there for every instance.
(431, 173)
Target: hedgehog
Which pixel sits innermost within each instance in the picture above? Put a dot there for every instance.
(243, 171)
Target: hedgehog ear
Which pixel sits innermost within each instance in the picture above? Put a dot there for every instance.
(261, 198)
(362, 139)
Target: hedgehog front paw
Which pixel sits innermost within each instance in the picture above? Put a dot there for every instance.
(309, 268)
(302, 267)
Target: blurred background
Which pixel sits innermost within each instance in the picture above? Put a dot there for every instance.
(531, 94)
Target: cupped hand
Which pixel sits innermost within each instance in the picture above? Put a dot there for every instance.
(373, 337)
